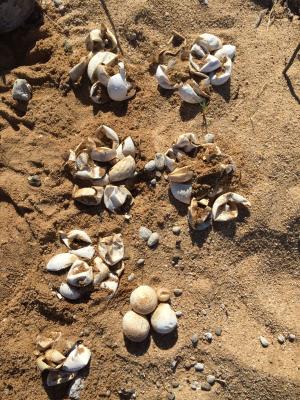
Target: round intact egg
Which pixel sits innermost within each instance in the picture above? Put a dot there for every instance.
(164, 319)
(143, 300)
(135, 327)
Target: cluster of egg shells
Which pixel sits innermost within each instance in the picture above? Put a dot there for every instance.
(87, 271)
(104, 68)
(191, 71)
(214, 204)
(146, 301)
(104, 168)
(62, 358)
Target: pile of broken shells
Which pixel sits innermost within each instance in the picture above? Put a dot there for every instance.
(144, 302)
(191, 70)
(82, 277)
(61, 358)
(200, 176)
(104, 68)
(103, 168)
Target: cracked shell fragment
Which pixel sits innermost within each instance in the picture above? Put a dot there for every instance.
(111, 249)
(199, 214)
(111, 284)
(122, 170)
(77, 359)
(181, 175)
(225, 207)
(209, 42)
(59, 377)
(100, 270)
(181, 191)
(90, 196)
(115, 197)
(69, 292)
(80, 274)
(118, 88)
(61, 261)
(74, 234)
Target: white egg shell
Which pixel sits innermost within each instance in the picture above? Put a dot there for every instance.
(164, 319)
(80, 274)
(78, 358)
(69, 292)
(61, 261)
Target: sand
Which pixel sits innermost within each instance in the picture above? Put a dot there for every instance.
(243, 277)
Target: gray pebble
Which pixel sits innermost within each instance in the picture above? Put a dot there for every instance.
(211, 379)
(144, 233)
(264, 342)
(179, 314)
(75, 389)
(205, 386)
(291, 337)
(218, 331)
(209, 138)
(195, 340)
(21, 90)
(34, 180)
(177, 292)
(131, 277)
(199, 367)
(175, 384)
(150, 166)
(208, 336)
(171, 396)
(158, 174)
(153, 239)
(159, 161)
(194, 385)
(140, 262)
(176, 230)
(281, 339)
(153, 182)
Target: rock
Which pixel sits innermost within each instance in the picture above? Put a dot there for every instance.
(281, 339)
(153, 182)
(153, 239)
(218, 331)
(150, 166)
(208, 337)
(264, 342)
(75, 388)
(205, 386)
(140, 262)
(127, 217)
(171, 396)
(144, 233)
(176, 230)
(194, 385)
(175, 384)
(131, 277)
(34, 180)
(199, 367)
(177, 292)
(21, 90)
(211, 379)
(159, 160)
(178, 314)
(209, 138)
(195, 340)
(292, 337)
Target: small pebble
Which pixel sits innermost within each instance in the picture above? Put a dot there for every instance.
(208, 336)
(281, 339)
(150, 166)
(209, 138)
(264, 342)
(176, 230)
(195, 340)
(194, 385)
(159, 160)
(127, 217)
(34, 180)
(158, 174)
(218, 331)
(211, 379)
(153, 182)
(140, 262)
(144, 233)
(175, 384)
(153, 239)
(163, 294)
(171, 396)
(177, 292)
(199, 367)
(205, 386)
(21, 90)
(131, 277)
(179, 314)
(291, 337)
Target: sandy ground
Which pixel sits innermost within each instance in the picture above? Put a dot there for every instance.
(244, 279)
